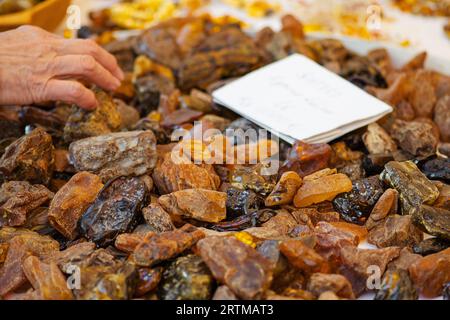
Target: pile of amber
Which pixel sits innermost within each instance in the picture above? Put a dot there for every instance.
(94, 205)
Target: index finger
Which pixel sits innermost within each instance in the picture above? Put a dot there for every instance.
(90, 47)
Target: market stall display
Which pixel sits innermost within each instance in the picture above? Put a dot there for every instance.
(110, 193)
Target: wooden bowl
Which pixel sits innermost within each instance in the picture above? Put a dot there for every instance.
(47, 15)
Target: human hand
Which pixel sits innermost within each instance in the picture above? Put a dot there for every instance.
(37, 66)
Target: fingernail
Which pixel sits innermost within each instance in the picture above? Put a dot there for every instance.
(117, 83)
(121, 75)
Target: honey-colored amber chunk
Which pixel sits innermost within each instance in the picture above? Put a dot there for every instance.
(322, 189)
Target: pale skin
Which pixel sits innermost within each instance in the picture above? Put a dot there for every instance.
(37, 66)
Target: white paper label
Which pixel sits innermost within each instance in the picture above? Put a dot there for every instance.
(298, 99)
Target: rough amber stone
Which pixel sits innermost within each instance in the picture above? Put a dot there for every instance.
(395, 230)
(199, 204)
(306, 158)
(18, 199)
(357, 230)
(414, 187)
(284, 190)
(20, 248)
(46, 279)
(387, 204)
(71, 201)
(160, 247)
(416, 137)
(170, 176)
(431, 273)
(30, 158)
(321, 282)
(103, 120)
(378, 141)
(435, 221)
(322, 189)
(157, 218)
(224, 293)
(186, 278)
(131, 153)
(245, 271)
(148, 280)
(331, 240)
(127, 242)
(303, 257)
(442, 117)
(354, 264)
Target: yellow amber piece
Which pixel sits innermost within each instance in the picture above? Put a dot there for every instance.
(245, 238)
(325, 188)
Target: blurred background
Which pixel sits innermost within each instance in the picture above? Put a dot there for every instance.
(419, 24)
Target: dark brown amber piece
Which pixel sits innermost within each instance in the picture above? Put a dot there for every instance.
(148, 280)
(431, 273)
(442, 117)
(227, 53)
(107, 282)
(245, 271)
(71, 201)
(241, 202)
(356, 205)
(30, 158)
(116, 210)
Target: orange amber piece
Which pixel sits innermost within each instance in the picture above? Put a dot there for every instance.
(71, 201)
(431, 273)
(325, 188)
(305, 158)
(48, 281)
(303, 257)
(359, 231)
(285, 189)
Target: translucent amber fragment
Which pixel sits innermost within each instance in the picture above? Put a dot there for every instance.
(359, 231)
(20, 248)
(322, 189)
(303, 257)
(285, 189)
(71, 201)
(431, 273)
(46, 279)
(243, 269)
(199, 204)
(305, 158)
